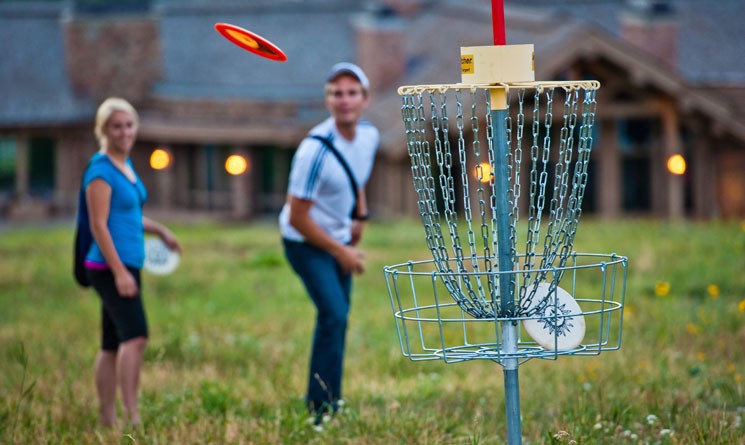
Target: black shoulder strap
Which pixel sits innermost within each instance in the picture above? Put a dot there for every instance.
(82, 202)
(327, 142)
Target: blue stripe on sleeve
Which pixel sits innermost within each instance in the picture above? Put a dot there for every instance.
(314, 172)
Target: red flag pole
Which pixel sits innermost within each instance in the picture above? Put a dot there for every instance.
(497, 14)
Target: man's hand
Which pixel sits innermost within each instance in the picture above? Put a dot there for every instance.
(357, 227)
(350, 259)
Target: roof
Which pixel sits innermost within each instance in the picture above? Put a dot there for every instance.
(199, 62)
(565, 32)
(201, 65)
(709, 33)
(34, 85)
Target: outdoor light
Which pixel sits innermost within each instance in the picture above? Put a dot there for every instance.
(676, 164)
(482, 172)
(160, 159)
(236, 165)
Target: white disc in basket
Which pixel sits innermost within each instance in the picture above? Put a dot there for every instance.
(159, 259)
(561, 325)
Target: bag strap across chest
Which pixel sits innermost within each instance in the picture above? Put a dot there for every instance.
(330, 146)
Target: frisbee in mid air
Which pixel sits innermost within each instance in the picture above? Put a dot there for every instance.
(561, 325)
(251, 42)
(159, 259)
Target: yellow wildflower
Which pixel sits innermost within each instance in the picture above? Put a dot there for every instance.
(662, 288)
(741, 307)
(701, 356)
(628, 311)
(713, 291)
(590, 374)
(693, 329)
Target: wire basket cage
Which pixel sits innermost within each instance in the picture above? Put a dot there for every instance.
(432, 326)
(499, 192)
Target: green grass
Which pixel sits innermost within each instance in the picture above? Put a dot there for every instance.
(231, 328)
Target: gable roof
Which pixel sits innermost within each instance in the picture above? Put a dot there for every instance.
(709, 32)
(560, 39)
(643, 70)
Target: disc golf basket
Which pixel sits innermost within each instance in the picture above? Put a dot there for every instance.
(499, 165)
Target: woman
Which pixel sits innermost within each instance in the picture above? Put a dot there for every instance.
(115, 196)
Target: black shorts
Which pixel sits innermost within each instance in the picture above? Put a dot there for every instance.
(122, 319)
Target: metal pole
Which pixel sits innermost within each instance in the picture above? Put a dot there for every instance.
(506, 261)
(504, 247)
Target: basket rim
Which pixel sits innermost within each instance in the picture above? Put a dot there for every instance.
(613, 259)
(538, 85)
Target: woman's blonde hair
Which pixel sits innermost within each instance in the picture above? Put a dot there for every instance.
(106, 109)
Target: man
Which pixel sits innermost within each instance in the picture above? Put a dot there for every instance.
(322, 222)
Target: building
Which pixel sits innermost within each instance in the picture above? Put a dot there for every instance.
(673, 82)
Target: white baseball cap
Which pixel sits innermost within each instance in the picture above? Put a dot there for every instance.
(349, 68)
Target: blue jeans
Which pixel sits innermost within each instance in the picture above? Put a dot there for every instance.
(329, 287)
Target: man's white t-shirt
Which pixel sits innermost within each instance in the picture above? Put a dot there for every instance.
(317, 175)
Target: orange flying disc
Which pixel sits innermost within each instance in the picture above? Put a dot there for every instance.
(251, 42)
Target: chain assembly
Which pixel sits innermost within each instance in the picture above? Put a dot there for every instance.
(453, 177)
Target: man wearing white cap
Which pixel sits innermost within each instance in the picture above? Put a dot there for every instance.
(322, 222)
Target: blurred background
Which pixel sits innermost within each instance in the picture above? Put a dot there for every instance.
(219, 125)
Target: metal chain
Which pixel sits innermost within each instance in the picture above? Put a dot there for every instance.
(447, 185)
(418, 148)
(485, 217)
(539, 170)
(534, 210)
(478, 296)
(559, 220)
(494, 278)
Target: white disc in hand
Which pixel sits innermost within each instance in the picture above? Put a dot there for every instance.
(159, 259)
(561, 325)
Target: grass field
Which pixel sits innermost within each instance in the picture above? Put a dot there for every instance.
(230, 333)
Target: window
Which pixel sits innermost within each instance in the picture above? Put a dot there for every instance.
(636, 135)
(7, 166)
(41, 167)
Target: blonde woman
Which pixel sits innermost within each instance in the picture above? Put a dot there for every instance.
(115, 196)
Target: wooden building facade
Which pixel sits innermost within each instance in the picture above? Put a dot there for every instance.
(202, 100)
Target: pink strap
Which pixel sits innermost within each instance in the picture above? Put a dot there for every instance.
(93, 265)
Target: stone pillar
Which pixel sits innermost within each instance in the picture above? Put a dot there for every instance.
(241, 190)
(165, 180)
(703, 172)
(608, 179)
(113, 55)
(72, 153)
(672, 144)
(381, 48)
(652, 26)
